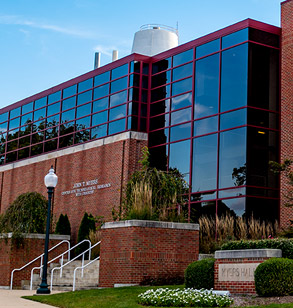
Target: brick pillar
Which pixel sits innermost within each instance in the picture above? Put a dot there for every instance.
(286, 101)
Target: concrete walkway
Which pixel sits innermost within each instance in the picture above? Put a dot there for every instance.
(12, 299)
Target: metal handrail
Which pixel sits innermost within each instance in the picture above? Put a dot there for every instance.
(62, 258)
(63, 265)
(83, 266)
(40, 256)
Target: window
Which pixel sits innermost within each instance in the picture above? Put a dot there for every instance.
(205, 49)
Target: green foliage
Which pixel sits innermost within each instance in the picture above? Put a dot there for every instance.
(26, 214)
(87, 224)
(286, 245)
(274, 277)
(200, 274)
(63, 225)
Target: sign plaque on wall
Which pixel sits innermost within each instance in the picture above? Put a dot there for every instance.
(237, 271)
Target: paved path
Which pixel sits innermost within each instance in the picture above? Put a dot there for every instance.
(12, 299)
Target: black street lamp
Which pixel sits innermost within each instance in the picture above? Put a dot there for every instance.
(51, 180)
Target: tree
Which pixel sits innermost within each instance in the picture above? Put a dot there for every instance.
(63, 225)
(87, 224)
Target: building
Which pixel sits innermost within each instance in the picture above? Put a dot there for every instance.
(218, 108)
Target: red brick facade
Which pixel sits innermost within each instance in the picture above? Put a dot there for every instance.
(137, 255)
(286, 214)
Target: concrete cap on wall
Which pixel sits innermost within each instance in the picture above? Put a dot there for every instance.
(248, 253)
(39, 236)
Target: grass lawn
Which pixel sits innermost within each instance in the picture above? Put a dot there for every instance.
(106, 298)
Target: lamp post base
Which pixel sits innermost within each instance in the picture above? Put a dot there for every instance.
(43, 289)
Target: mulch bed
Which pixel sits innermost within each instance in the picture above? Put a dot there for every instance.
(256, 300)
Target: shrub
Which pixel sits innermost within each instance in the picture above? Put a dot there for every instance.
(274, 277)
(87, 224)
(200, 274)
(286, 245)
(63, 225)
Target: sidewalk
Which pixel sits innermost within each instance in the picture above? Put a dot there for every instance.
(12, 299)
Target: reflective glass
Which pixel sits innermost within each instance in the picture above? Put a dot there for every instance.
(83, 110)
(118, 98)
(15, 112)
(204, 166)
(24, 153)
(54, 97)
(13, 145)
(51, 133)
(263, 209)
(181, 101)
(117, 126)
(82, 136)
(50, 145)
(161, 79)
(10, 157)
(160, 107)
(204, 208)
(13, 134)
(99, 131)
(99, 118)
(203, 196)
(207, 86)
(161, 65)
(235, 192)
(85, 85)
(159, 121)
(102, 78)
(145, 82)
(235, 38)
(182, 86)
(134, 80)
(232, 207)
(26, 108)
(234, 77)
(182, 71)
(205, 126)
(179, 158)
(37, 149)
(41, 102)
(38, 137)
(53, 120)
(119, 85)
(68, 116)
(66, 141)
(3, 117)
(14, 123)
(160, 93)
(145, 68)
(52, 109)
(207, 48)
(119, 71)
(3, 127)
(183, 57)
(143, 110)
(38, 126)
(83, 123)
(25, 130)
(158, 157)
(132, 123)
(84, 97)
(69, 91)
(68, 103)
(233, 119)
(118, 112)
(180, 132)
(263, 37)
(101, 91)
(144, 96)
(39, 114)
(158, 137)
(26, 118)
(101, 104)
(67, 128)
(263, 118)
(180, 116)
(133, 108)
(232, 161)
(133, 94)
(135, 67)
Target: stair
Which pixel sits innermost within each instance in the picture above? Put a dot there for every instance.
(89, 280)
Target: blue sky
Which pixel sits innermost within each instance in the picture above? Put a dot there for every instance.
(46, 42)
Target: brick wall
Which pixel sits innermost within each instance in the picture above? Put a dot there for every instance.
(140, 254)
(286, 102)
(13, 256)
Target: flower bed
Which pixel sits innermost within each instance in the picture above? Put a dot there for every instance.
(165, 297)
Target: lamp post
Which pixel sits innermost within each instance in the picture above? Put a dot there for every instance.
(50, 180)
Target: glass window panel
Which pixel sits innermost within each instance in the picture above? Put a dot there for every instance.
(27, 108)
(235, 192)
(54, 97)
(161, 65)
(180, 116)
(205, 49)
(3, 117)
(118, 98)
(67, 128)
(160, 93)
(232, 207)
(203, 196)
(13, 145)
(24, 153)
(182, 86)
(143, 110)
(158, 137)
(12, 134)
(263, 37)
(99, 131)
(52, 121)
(233, 119)
(69, 103)
(205, 126)
(263, 118)
(84, 97)
(158, 157)
(83, 123)
(145, 82)
(37, 149)
(25, 119)
(161, 79)
(145, 68)
(160, 107)
(135, 67)
(102, 78)
(183, 57)
(100, 104)
(133, 108)
(41, 102)
(101, 91)
(52, 109)
(25, 130)
(50, 145)
(204, 168)
(181, 101)
(235, 38)
(68, 116)
(207, 86)
(10, 157)
(159, 121)
(120, 71)
(85, 85)
(3, 127)
(118, 112)
(38, 137)
(39, 114)
(83, 110)
(117, 126)
(179, 158)
(182, 71)
(66, 141)
(144, 96)
(15, 112)
(232, 161)
(51, 133)
(99, 118)
(180, 132)
(119, 85)
(69, 91)
(234, 77)
(263, 209)
(14, 123)
(40, 125)
(82, 136)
